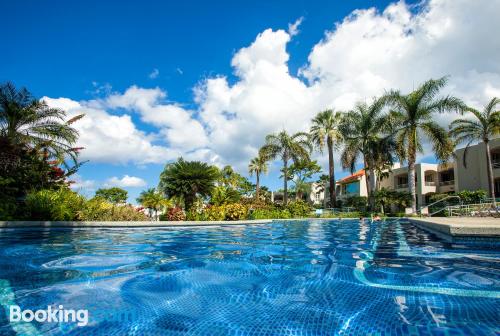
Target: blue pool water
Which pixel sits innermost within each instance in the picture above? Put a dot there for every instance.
(317, 277)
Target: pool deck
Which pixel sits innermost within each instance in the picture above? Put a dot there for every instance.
(75, 224)
(456, 229)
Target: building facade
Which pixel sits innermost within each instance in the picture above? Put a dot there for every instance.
(430, 178)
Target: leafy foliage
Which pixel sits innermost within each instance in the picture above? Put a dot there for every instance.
(99, 209)
(413, 115)
(174, 214)
(58, 205)
(287, 147)
(299, 208)
(224, 195)
(27, 121)
(326, 132)
(188, 180)
(154, 201)
(113, 195)
(235, 211)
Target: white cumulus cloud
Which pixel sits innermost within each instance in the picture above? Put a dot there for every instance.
(125, 182)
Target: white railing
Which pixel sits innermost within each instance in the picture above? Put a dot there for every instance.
(446, 183)
(425, 209)
(430, 183)
(474, 210)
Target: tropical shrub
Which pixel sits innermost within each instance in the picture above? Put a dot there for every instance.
(175, 214)
(188, 180)
(270, 214)
(214, 213)
(57, 205)
(224, 195)
(357, 202)
(99, 209)
(299, 208)
(235, 211)
(472, 197)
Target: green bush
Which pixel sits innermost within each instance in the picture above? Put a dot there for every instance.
(299, 208)
(235, 211)
(270, 214)
(472, 197)
(57, 205)
(98, 209)
(357, 202)
(214, 213)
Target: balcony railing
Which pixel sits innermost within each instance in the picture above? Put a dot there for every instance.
(430, 183)
(402, 185)
(495, 164)
(447, 183)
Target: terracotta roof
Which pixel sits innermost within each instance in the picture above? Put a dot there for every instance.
(356, 176)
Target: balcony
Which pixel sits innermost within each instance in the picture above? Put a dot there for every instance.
(430, 183)
(447, 183)
(495, 164)
(402, 186)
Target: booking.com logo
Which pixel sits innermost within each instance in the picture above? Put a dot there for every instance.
(50, 315)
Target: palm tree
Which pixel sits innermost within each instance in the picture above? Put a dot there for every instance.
(483, 128)
(153, 200)
(27, 121)
(188, 180)
(413, 115)
(257, 166)
(325, 129)
(287, 147)
(364, 130)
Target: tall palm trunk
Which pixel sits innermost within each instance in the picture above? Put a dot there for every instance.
(331, 172)
(257, 185)
(285, 179)
(491, 182)
(373, 184)
(411, 182)
(412, 158)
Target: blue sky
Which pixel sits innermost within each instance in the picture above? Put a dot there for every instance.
(225, 63)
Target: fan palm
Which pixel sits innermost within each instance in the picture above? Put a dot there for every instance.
(153, 200)
(287, 147)
(364, 132)
(325, 129)
(27, 121)
(257, 166)
(413, 116)
(188, 180)
(485, 126)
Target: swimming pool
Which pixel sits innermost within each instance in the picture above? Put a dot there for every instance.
(314, 277)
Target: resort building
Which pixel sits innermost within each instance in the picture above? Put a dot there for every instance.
(473, 175)
(430, 178)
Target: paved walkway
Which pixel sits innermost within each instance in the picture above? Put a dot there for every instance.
(460, 227)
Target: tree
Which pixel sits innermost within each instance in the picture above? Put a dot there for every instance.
(27, 121)
(188, 180)
(299, 173)
(413, 115)
(257, 166)
(325, 129)
(154, 201)
(230, 179)
(287, 147)
(484, 127)
(113, 195)
(365, 132)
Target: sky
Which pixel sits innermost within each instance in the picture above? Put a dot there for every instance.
(208, 80)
